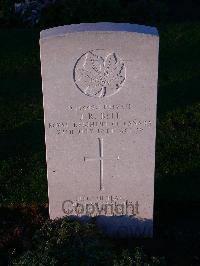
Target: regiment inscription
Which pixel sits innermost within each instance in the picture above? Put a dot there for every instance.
(119, 119)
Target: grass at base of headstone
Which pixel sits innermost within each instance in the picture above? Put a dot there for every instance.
(65, 242)
(27, 236)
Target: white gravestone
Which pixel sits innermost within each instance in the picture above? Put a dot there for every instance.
(100, 90)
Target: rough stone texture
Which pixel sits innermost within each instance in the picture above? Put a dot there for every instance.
(100, 89)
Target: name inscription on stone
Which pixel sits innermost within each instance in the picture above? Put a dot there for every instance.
(99, 119)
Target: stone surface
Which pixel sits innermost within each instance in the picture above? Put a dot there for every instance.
(100, 89)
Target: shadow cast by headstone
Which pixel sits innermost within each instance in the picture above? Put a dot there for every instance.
(123, 226)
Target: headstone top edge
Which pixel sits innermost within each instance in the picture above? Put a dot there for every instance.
(99, 26)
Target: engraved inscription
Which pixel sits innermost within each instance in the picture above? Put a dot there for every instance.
(101, 159)
(99, 73)
(100, 120)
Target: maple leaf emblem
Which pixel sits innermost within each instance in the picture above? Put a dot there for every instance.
(99, 76)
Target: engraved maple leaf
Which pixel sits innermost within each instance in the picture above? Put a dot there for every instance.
(100, 76)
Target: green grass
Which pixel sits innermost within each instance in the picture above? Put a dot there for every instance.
(23, 168)
(71, 243)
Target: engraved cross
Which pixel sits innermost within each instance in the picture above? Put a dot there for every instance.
(101, 159)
